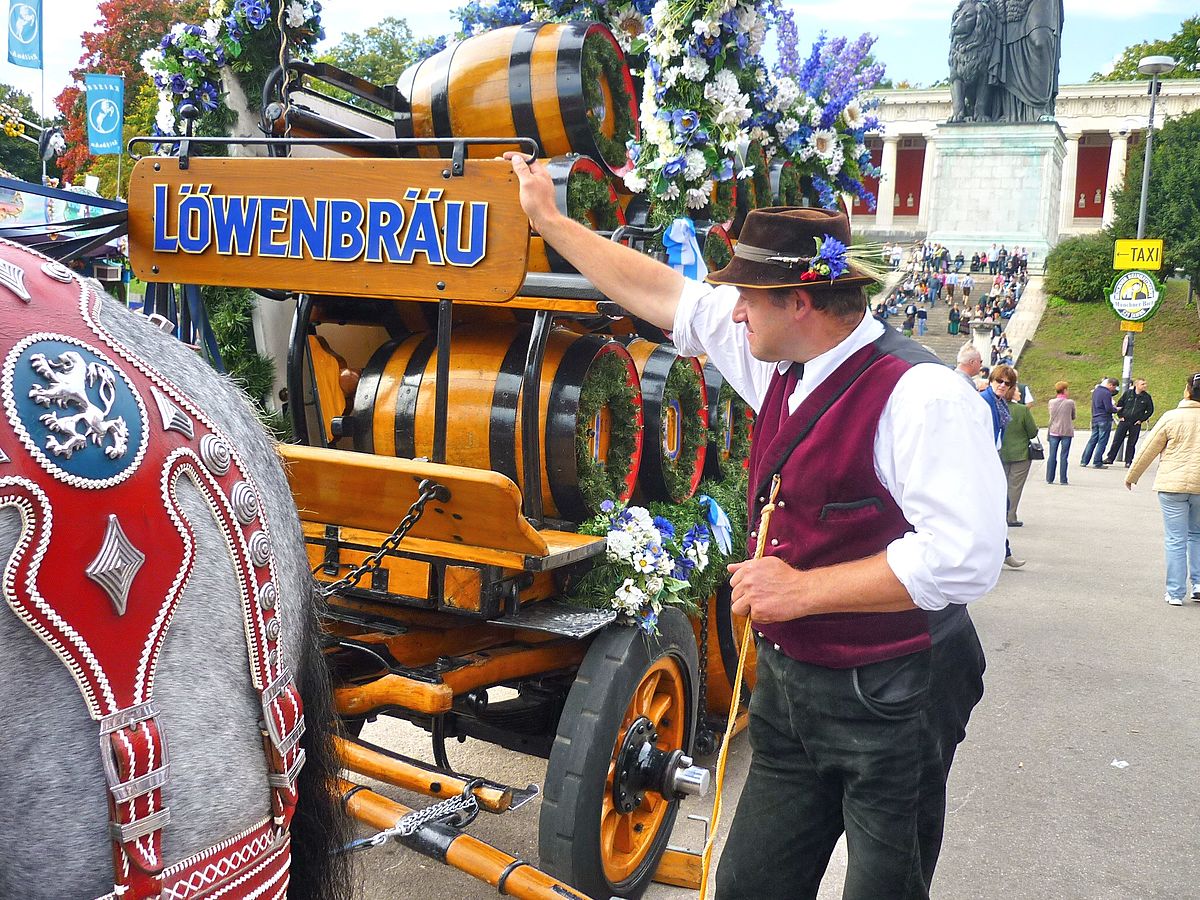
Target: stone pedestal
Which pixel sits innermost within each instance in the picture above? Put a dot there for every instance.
(996, 184)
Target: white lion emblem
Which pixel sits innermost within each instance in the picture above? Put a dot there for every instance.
(69, 378)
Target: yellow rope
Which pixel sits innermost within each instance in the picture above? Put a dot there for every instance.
(747, 635)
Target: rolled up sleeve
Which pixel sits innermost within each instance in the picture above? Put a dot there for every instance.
(934, 453)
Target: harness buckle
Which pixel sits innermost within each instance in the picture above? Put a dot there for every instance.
(284, 743)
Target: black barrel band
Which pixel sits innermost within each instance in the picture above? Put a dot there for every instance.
(366, 395)
(562, 423)
(520, 83)
(654, 387)
(439, 105)
(502, 430)
(408, 393)
(569, 83)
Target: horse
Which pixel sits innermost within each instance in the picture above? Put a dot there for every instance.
(219, 783)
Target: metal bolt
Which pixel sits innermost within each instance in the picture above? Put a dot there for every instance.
(158, 167)
(441, 285)
(154, 269)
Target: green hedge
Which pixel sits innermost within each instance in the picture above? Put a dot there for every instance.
(1080, 268)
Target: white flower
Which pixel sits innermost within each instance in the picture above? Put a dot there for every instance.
(723, 87)
(297, 15)
(627, 25)
(786, 128)
(152, 60)
(694, 68)
(165, 119)
(709, 28)
(656, 131)
(747, 172)
(696, 198)
(619, 545)
(212, 27)
(654, 585)
(836, 160)
(660, 11)
(695, 165)
(641, 516)
(629, 597)
(644, 562)
(698, 553)
(734, 113)
(177, 29)
(823, 141)
(853, 115)
(671, 192)
(664, 565)
(635, 182)
(218, 8)
(669, 76)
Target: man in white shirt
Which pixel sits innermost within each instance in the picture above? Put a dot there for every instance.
(889, 522)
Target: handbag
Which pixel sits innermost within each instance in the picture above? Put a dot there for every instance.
(1036, 450)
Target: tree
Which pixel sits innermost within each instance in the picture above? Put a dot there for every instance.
(17, 156)
(378, 54)
(125, 30)
(1183, 46)
(1079, 269)
(1173, 202)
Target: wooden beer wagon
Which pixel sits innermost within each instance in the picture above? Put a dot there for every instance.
(457, 394)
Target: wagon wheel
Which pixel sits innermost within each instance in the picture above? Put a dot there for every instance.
(630, 714)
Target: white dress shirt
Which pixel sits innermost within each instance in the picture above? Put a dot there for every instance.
(933, 449)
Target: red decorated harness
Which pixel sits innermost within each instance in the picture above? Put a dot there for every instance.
(97, 443)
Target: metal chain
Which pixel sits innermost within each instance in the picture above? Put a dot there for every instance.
(428, 490)
(460, 811)
(704, 733)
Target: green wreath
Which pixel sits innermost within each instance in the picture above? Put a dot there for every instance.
(684, 385)
(717, 253)
(607, 386)
(791, 188)
(757, 157)
(590, 201)
(739, 443)
(722, 205)
(602, 60)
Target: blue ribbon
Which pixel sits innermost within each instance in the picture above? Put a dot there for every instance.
(718, 524)
(683, 251)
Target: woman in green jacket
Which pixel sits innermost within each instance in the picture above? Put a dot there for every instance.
(1014, 451)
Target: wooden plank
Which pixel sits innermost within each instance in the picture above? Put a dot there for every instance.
(371, 237)
(680, 868)
(393, 690)
(415, 546)
(361, 490)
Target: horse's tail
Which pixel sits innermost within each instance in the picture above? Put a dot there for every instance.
(320, 827)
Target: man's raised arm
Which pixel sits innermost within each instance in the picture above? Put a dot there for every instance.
(645, 287)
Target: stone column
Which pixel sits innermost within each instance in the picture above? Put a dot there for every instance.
(1116, 172)
(927, 185)
(885, 212)
(1069, 182)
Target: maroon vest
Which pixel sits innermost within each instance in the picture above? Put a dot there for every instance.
(832, 508)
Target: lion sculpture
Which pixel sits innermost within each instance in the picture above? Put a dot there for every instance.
(973, 31)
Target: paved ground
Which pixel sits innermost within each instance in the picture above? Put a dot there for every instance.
(1087, 666)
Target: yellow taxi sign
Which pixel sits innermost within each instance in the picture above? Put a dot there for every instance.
(1138, 255)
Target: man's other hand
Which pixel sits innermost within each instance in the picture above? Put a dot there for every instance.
(537, 189)
(766, 589)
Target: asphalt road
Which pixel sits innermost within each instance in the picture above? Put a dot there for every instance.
(1088, 670)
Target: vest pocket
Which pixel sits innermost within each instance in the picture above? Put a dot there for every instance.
(851, 511)
(895, 688)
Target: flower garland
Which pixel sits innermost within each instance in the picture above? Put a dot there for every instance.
(732, 420)
(686, 387)
(607, 385)
(186, 65)
(590, 201)
(717, 250)
(820, 115)
(602, 64)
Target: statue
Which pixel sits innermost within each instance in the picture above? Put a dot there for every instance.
(1004, 58)
(972, 42)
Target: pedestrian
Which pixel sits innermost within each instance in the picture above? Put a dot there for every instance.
(1014, 451)
(922, 321)
(954, 316)
(967, 284)
(969, 363)
(1135, 407)
(1175, 442)
(861, 695)
(998, 387)
(1061, 430)
(1102, 418)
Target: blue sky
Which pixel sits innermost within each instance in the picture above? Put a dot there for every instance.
(913, 34)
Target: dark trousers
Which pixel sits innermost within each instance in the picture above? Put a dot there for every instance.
(1093, 452)
(863, 751)
(1127, 433)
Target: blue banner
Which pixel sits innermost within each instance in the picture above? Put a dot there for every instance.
(105, 113)
(25, 33)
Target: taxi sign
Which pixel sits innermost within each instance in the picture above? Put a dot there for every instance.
(1135, 296)
(388, 228)
(1138, 255)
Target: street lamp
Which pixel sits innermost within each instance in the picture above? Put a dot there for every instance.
(1154, 66)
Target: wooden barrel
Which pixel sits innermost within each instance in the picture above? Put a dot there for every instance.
(715, 246)
(676, 411)
(583, 192)
(732, 419)
(753, 192)
(724, 643)
(566, 86)
(589, 406)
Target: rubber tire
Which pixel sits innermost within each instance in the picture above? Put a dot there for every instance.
(569, 827)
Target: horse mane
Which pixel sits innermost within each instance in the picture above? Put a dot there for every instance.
(969, 54)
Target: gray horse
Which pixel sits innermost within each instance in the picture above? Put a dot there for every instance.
(56, 835)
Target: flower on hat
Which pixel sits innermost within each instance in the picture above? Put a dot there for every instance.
(830, 260)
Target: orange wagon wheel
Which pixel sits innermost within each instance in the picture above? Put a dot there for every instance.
(631, 712)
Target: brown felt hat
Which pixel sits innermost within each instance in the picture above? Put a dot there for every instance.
(776, 249)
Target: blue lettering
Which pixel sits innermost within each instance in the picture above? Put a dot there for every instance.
(163, 242)
(473, 253)
(195, 222)
(309, 229)
(422, 235)
(234, 221)
(271, 221)
(385, 218)
(346, 241)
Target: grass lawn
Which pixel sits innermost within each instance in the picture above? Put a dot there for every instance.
(1080, 343)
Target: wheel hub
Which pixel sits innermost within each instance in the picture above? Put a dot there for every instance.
(641, 766)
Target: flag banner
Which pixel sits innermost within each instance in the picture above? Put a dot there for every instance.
(105, 113)
(25, 33)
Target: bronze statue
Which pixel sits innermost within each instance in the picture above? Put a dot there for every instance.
(1015, 79)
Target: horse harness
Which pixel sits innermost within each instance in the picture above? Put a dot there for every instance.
(115, 437)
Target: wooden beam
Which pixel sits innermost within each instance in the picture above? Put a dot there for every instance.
(401, 773)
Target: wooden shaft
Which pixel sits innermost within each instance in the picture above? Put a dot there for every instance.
(465, 853)
(393, 690)
(402, 774)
